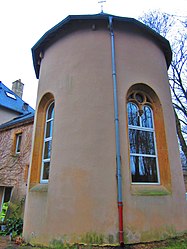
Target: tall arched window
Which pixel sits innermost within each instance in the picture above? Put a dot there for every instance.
(142, 141)
(47, 145)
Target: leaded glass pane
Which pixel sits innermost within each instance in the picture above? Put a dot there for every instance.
(49, 129)
(139, 98)
(146, 118)
(46, 166)
(141, 142)
(133, 118)
(50, 113)
(47, 149)
(143, 169)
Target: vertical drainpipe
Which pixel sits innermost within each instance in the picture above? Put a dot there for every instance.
(117, 136)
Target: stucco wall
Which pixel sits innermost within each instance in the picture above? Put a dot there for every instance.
(81, 195)
(185, 179)
(146, 64)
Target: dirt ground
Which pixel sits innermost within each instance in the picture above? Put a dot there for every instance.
(6, 243)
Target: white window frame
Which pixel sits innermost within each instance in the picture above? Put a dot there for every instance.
(141, 128)
(18, 143)
(48, 139)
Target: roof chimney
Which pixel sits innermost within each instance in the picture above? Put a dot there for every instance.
(17, 87)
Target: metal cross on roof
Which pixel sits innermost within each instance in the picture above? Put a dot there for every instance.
(101, 2)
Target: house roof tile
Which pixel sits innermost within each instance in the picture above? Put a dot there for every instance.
(11, 101)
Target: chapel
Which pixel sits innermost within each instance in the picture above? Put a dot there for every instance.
(105, 165)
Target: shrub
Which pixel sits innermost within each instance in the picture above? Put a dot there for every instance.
(13, 220)
(14, 226)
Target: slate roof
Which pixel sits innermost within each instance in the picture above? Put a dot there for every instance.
(11, 101)
(74, 22)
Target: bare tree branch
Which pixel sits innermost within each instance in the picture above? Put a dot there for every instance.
(167, 25)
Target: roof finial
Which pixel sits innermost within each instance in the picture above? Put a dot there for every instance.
(101, 2)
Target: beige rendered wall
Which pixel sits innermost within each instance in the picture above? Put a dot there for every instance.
(81, 195)
(149, 217)
(185, 179)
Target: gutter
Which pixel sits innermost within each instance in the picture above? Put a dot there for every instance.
(117, 137)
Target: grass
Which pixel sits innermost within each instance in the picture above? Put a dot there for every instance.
(180, 244)
(174, 243)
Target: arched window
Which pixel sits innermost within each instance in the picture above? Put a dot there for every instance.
(142, 141)
(47, 145)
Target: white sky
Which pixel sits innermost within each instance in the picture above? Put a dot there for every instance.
(23, 22)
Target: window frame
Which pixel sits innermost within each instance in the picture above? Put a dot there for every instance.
(140, 106)
(18, 143)
(45, 140)
(5, 195)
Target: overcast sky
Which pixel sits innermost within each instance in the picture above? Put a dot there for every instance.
(23, 22)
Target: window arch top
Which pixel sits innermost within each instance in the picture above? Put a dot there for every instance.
(50, 112)
(49, 120)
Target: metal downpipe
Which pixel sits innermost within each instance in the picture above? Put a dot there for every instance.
(117, 137)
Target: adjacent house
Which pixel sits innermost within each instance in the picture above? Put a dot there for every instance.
(16, 125)
(105, 165)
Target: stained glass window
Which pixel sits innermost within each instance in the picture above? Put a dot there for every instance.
(142, 142)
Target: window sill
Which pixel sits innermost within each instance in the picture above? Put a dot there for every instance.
(39, 188)
(147, 190)
(15, 155)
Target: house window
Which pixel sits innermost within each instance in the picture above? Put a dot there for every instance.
(47, 145)
(18, 143)
(142, 141)
(10, 95)
(5, 194)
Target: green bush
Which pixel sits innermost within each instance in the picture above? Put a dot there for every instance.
(12, 219)
(14, 226)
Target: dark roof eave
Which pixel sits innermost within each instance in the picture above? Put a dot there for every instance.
(48, 37)
(17, 124)
(18, 121)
